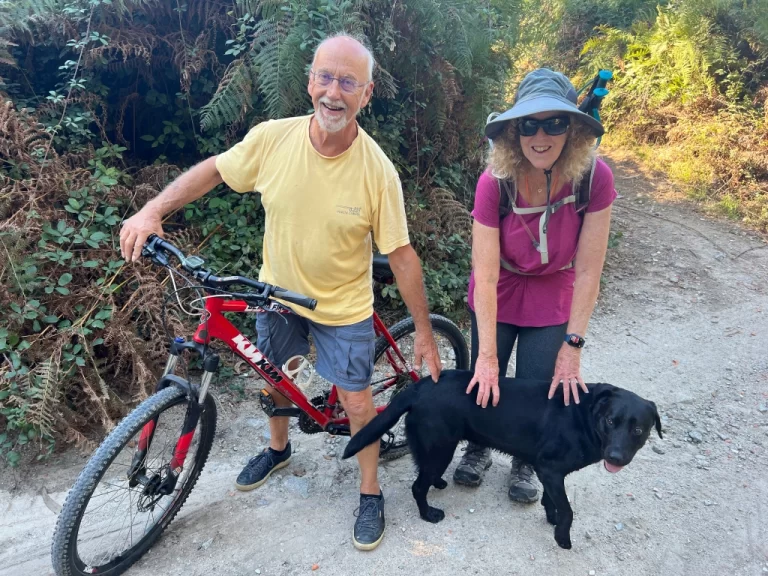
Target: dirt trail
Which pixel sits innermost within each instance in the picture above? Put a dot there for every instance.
(682, 320)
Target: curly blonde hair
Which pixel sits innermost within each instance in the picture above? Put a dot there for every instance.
(507, 161)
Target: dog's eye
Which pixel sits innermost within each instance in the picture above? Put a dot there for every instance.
(638, 431)
(609, 421)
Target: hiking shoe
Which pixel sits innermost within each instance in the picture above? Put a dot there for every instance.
(259, 468)
(522, 488)
(369, 526)
(474, 463)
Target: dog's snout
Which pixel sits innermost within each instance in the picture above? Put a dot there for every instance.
(615, 456)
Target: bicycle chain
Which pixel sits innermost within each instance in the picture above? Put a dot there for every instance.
(306, 424)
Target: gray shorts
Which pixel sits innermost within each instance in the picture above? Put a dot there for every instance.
(344, 353)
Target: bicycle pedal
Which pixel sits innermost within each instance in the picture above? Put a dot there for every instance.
(267, 403)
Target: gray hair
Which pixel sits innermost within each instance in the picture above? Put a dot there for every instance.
(360, 40)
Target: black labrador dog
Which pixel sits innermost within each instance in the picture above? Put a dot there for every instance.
(610, 424)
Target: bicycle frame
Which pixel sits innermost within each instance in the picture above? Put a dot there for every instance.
(214, 326)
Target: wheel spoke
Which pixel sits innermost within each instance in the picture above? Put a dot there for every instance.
(117, 516)
(391, 376)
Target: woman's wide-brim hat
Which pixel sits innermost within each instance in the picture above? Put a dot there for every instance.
(542, 90)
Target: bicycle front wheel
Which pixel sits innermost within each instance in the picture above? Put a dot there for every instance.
(391, 376)
(117, 508)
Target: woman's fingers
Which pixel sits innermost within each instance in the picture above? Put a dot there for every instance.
(573, 384)
(496, 393)
(553, 388)
(472, 383)
(482, 390)
(482, 397)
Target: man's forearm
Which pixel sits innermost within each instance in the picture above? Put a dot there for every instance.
(191, 185)
(410, 282)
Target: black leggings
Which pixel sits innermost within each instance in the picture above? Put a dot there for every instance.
(537, 348)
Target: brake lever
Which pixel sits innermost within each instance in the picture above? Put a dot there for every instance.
(156, 257)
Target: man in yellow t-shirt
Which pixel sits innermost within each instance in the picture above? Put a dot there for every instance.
(325, 186)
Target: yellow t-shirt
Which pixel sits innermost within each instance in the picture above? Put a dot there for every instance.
(320, 212)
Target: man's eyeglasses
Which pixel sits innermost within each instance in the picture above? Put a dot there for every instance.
(553, 126)
(346, 84)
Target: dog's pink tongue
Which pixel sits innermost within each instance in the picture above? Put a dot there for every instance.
(612, 468)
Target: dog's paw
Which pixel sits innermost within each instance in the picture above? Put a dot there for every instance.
(440, 484)
(552, 517)
(433, 515)
(563, 539)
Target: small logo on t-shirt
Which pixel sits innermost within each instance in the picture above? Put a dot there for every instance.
(348, 210)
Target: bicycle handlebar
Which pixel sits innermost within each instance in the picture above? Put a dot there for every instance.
(157, 249)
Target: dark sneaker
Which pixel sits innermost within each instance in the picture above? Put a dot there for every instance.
(474, 463)
(369, 526)
(522, 488)
(259, 468)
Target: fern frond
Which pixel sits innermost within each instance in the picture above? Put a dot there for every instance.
(18, 16)
(43, 385)
(385, 85)
(5, 56)
(460, 51)
(232, 99)
(81, 442)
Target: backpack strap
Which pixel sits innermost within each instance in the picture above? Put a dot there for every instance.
(508, 203)
(507, 266)
(507, 196)
(584, 190)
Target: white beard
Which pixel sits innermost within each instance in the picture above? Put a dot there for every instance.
(331, 125)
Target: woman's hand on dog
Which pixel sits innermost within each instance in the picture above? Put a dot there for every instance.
(568, 373)
(487, 378)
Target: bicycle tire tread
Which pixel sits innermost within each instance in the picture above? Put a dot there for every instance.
(78, 497)
(407, 326)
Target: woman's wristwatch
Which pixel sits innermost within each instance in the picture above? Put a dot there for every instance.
(574, 340)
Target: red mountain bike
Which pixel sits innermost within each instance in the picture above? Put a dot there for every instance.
(143, 471)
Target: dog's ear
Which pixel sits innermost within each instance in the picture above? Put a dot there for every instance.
(601, 395)
(658, 419)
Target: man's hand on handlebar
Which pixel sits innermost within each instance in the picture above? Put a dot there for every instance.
(135, 232)
(158, 249)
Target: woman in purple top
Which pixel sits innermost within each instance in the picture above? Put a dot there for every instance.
(536, 271)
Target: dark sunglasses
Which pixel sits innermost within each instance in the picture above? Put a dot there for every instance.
(553, 126)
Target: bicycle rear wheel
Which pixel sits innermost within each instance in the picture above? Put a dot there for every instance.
(115, 510)
(389, 369)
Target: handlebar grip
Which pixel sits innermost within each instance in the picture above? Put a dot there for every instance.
(156, 245)
(154, 241)
(295, 298)
(168, 247)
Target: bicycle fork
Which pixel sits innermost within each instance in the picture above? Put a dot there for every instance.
(163, 483)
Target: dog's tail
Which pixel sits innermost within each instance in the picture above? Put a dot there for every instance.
(374, 430)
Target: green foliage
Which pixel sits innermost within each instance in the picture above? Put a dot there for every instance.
(690, 86)
(446, 281)
(218, 215)
(109, 94)
(69, 327)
